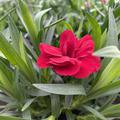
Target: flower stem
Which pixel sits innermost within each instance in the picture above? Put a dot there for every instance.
(10, 11)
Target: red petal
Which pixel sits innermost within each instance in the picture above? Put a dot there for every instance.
(42, 61)
(85, 47)
(67, 43)
(49, 50)
(61, 61)
(89, 65)
(68, 69)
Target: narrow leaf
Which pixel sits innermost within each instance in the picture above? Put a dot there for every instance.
(111, 72)
(14, 33)
(109, 51)
(103, 39)
(50, 33)
(10, 118)
(50, 118)
(112, 37)
(22, 48)
(62, 89)
(67, 25)
(54, 23)
(112, 111)
(55, 105)
(28, 22)
(95, 112)
(27, 104)
(37, 92)
(109, 89)
(14, 58)
(38, 17)
(96, 30)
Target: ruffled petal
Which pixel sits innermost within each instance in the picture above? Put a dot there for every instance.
(49, 50)
(89, 65)
(84, 47)
(42, 61)
(61, 61)
(67, 43)
(68, 68)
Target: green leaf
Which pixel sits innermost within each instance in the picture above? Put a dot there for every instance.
(95, 112)
(10, 118)
(14, 58)
(37, 92)
(15, 36)
(109, 51)
(70, 115)
(111, 72)
(117, 11)
(96, 30)
(24, 56)
(6, 70)
(87, 117)
(118, 26)
(1, 55)
(50, 33)
(50, 118)
(109, 89)
(31, 49)
(80, 27)
(103, 39)
(5, 98)
(112, 111)
(54, 23)
(112, 37)
(62, 89)
(10, 11)
(28, 22)
(67, 25)
(108, 102)
(55, 105)
(6, 80)
(27, 104)
(26, 114)
(22, 48)
(38, 18)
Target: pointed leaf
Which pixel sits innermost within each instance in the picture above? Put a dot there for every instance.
(38, 17)
(67, 25)
(95, 112)
(55, 105)
(112, 37)
(28, 22)
(22, 48)
(112, 111)
(109, 51)
(27, 104)
(62, 89)
(15, 36)
(110, 89)
(10, 118)
(13, 56)
(96, 30)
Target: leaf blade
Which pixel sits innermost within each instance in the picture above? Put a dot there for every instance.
(61, 89)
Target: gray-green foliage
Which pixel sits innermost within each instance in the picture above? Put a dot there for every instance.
(33, 93)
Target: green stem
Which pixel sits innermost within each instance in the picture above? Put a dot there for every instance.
(58, 21)
(10, 11)
(80, 27)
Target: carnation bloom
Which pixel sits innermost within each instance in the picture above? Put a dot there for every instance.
(73, 57)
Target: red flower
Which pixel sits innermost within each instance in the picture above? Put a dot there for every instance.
(72, 58)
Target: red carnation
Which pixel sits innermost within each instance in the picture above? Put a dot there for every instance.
(72, 58)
